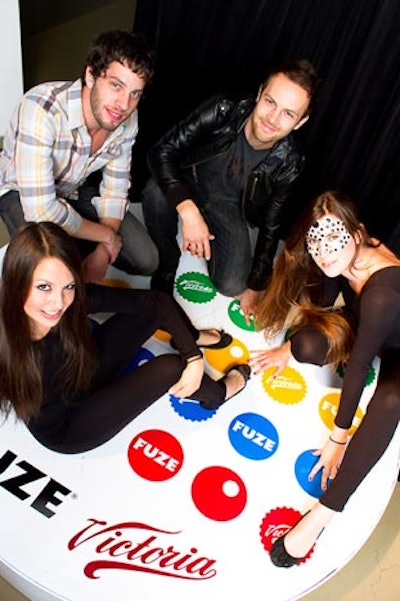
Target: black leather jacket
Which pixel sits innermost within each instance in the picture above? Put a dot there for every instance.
(209, 130)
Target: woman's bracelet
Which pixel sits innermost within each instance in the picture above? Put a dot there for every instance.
(195, 358)
(336, 441)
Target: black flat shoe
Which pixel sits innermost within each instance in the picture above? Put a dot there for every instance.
(280, 557)
(278, 554)
(245, 371)
(224, 341)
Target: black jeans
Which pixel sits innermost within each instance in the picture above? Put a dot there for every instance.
(231, 259)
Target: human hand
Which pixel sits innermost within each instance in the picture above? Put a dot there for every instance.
(330, 457)
(95, 265)
(248, 302)
(190, 379)
(113, 245)
(195, 233)
(277, 357)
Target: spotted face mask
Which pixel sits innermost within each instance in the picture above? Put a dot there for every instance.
(327, 235)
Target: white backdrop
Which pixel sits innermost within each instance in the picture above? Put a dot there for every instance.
(11, 79)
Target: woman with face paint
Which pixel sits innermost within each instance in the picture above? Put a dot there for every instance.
(329, 253)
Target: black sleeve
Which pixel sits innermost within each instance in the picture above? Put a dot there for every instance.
(278, 191)
(379, 312)
(169, 158)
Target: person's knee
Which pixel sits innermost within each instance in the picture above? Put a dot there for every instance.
(228, 286)
(148, 261)
(169, 368)
(11, 211)
(309, 345)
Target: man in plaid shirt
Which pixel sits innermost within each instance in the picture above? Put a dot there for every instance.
(60, 134)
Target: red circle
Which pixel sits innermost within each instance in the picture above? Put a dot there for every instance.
(219, 493)
(155, 455)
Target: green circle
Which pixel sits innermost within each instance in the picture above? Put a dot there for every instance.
(195, 287)
(237, 316)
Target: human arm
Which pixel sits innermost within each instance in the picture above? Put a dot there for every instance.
(172, 161)
(95, 265)
(196, 236)
(248, 302)
(330, 456)
(49, 160)
(373, 333)
(190, 379)
(268, 199)
(278, 357)
(383, 303)
(37, 156)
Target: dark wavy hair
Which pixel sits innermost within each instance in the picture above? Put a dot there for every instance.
(122, 47)
(20, 360)
(296, 278)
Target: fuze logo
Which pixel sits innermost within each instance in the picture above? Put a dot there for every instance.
(253, 436)
(277, 523)
(196, 287)
(237, 316)
(328, 408)
(289, 387)
(27, 473)
(155, 455)
(126, 551)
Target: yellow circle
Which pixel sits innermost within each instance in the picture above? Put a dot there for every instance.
(289, 387)
(225, 358)
(328, 407)
(162, 336)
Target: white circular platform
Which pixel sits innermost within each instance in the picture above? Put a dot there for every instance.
(184, 503)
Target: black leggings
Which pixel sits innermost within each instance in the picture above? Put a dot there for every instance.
(115, 401)
(377, 427)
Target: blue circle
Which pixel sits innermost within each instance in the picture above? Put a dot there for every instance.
(190, 409)
(253, 436)
(142, 356)
(304, 464)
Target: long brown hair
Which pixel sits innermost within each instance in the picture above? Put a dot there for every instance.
(20, 361)
(296, 281)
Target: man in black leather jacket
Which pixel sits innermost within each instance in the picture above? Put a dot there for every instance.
(228, 165)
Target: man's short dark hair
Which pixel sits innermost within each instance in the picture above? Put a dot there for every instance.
(301, 72)
(124, 47)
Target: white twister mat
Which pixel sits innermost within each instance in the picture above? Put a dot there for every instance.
(185, 503)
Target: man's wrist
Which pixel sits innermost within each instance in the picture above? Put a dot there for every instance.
(103, 246)
(186, 206)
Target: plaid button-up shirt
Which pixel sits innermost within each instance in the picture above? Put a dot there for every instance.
(46, 157)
